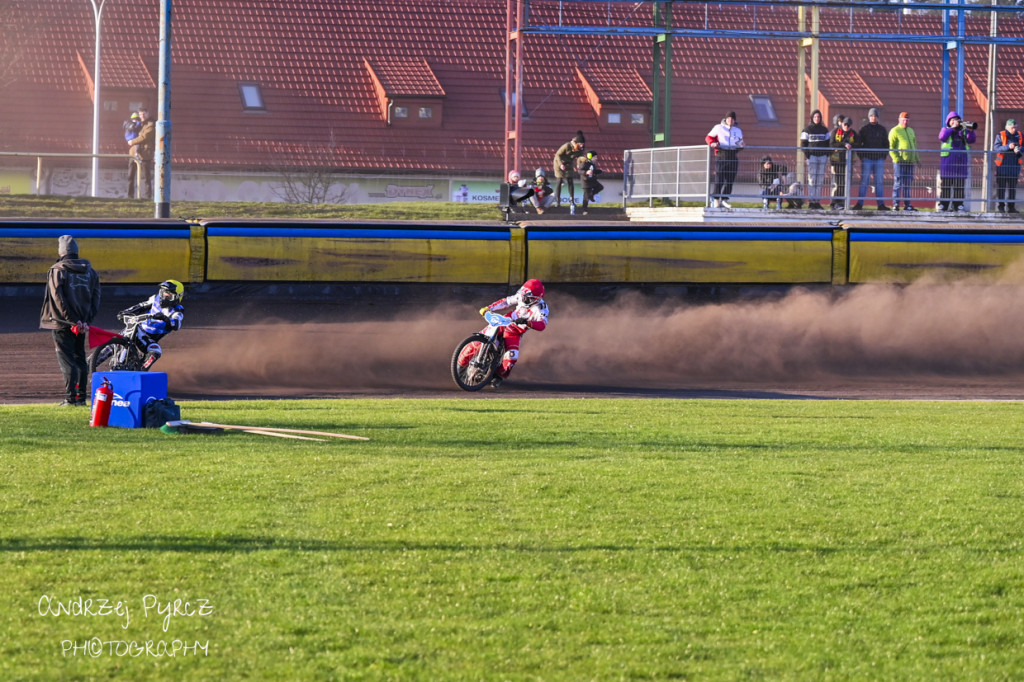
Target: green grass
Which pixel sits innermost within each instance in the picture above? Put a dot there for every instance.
(25, 206)
(525, 540)
(28, 206)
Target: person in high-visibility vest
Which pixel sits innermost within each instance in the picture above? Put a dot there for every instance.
(1007, 145)
(956, 138)
(903, 151)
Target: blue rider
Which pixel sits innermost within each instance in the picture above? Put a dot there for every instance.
(165, 315)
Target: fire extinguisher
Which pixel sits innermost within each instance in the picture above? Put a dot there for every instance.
(101, 403)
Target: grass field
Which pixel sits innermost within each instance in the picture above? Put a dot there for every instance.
(519, 540)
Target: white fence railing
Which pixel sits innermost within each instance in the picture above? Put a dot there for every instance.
(688, 174)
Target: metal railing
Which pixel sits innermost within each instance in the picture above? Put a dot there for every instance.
(39, 156)
(688, 174)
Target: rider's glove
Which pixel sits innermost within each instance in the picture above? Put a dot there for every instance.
(484, 310)
(525, 321)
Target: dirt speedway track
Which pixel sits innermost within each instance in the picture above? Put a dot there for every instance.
(929, 342)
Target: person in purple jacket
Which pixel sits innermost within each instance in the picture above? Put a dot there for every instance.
(956, 137)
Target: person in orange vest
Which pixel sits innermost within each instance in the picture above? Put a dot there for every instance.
(1007, 146)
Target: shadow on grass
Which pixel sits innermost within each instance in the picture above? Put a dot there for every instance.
(242, 545)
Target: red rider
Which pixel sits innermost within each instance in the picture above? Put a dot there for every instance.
(531, 312)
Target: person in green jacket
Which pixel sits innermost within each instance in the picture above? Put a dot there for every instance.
(903, 151)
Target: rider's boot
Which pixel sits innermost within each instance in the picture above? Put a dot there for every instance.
(150, 358)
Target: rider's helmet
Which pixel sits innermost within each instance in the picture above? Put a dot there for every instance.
(540, 173)
(531, 291)
(513, 177)
(171, 292)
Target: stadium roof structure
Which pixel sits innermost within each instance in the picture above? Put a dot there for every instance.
(409, 87)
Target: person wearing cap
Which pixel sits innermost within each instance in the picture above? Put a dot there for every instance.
(543, 193)
(903, 151)
(815, 141)
(955, 139)
(1007, 147)
(726, 139)
(70, 304)
(145, 147)
(589, 172)
(872, 146)
(131, 130)
(770, 180)
(565, 166)
(842, 140)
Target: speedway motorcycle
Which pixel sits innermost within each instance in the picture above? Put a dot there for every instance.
(487, 348)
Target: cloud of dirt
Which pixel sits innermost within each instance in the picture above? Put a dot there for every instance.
(920, 330)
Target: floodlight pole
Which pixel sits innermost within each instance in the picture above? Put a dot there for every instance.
(162, 157)
(97, 13)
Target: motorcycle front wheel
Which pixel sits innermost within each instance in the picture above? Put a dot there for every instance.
(480, 369)
(116, 355)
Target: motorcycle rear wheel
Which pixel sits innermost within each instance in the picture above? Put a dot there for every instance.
(481, 369)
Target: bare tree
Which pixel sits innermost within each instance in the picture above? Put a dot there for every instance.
(306, 186)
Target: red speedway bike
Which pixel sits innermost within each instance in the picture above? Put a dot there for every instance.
(486, 349)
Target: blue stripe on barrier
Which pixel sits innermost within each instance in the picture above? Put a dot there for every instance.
(962, 238)
(645, 235)
(93, 233)
(359, 233)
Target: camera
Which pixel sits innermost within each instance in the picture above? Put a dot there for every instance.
(970, 125)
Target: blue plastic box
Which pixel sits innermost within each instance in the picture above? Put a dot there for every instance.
(132, 390)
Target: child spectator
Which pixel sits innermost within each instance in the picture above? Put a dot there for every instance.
(589, 172)
(770, 180)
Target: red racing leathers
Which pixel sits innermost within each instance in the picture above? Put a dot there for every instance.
(533, 316)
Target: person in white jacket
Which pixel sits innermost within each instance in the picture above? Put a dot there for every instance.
(726, 139)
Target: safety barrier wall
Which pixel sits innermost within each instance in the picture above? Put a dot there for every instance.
(123, 252)
(597, 255)
(899, 256)
(349, 252)
(143, 252)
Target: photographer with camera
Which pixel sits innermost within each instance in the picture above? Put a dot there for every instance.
(1007, 146)
(956, 137)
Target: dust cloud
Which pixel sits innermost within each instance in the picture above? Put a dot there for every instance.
(908, 333)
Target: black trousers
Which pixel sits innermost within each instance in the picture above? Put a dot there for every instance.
(951, 196)
(1006, 186)
(568, 179)
(73, 363)
(726, 165)
(591, 188)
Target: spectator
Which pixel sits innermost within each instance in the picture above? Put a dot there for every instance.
(770, 180)
(518, 192)
(815, 141)
(956, 139)
(792, 190)
(131, 130)
(145, 147)
(843, 139)
(726, 139)
(589, 172)
(565, 166)
(70, 304)
(1007, 145)
(543, 194)
(872, 144)
(903, 151)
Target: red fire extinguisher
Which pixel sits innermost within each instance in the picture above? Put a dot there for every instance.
(101, 403)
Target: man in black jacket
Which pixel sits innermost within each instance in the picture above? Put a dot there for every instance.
(815, 141)
(70, 304)
(872, 145)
